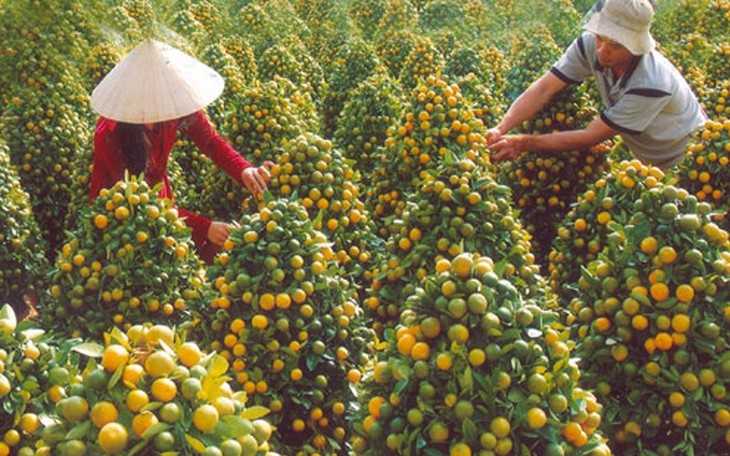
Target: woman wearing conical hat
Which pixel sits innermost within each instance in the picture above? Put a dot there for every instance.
(153, 93)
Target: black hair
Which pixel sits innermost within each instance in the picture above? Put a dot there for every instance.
(135, 146)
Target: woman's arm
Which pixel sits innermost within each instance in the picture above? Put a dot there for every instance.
(254, 178)
(202, 133)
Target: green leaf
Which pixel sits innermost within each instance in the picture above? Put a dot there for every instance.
(466, 381)
(90, 349)
(137, 448)
(400, 386)
(237, 426)
(643, 299)
(255, 412)
(79, 431)
(470, 431)
(115, 377)
(154, 430)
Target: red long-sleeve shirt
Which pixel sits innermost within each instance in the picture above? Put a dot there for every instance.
(109, 164)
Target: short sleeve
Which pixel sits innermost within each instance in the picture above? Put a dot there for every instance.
(574, 65)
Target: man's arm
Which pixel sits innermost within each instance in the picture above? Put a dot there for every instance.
(510, 146)
(527, 105)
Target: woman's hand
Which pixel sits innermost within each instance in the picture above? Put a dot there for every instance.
(218, 232)
(256, 178)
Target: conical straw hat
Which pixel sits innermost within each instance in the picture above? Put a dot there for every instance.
(153, 83)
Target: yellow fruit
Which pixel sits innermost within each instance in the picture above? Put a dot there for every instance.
(681, 323)
(659, 291)
(689, 381)
(679, 419)
(283, 301)
(5, 386)
(29, 423)
(649, 245)
(160, 333)
(224, 405)
(458, 333)
(536, 418)
(121, 213)
(460, 449)
(444, 361)
(676, 399)
(101, 221)
(462, 265)
(572, 431)
(374, 405)
(114, 356)
(619, 352)
(113, 438)
(143, 421)
(443, 265)
(707, 377)
(500, 427)
(103, 412)
(722, 417)
(74, 408)
(260, 322)
(354, 375)
(205, 418)
(163, 389)
(298, 425)
(477, 357)
(405, 344)
(189, 354)
(685, 292)
(159, 364)
(420, 351)
(136, 399)
(12, 437)
(667, 254)
(267, 301)
(131, 374)
(663, 341)
(438, 432)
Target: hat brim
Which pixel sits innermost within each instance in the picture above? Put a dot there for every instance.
(156, 82)
(637, 43)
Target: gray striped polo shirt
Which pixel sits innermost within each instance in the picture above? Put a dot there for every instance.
(651, 105)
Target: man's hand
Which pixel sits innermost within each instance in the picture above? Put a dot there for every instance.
(218, 232)
(256, 178)
(507, 147)
(493, 135)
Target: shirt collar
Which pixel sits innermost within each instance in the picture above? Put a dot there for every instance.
(630, 71)
(625, 78)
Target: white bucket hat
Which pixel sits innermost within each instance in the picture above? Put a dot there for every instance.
(626, 22)
(155, 82)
